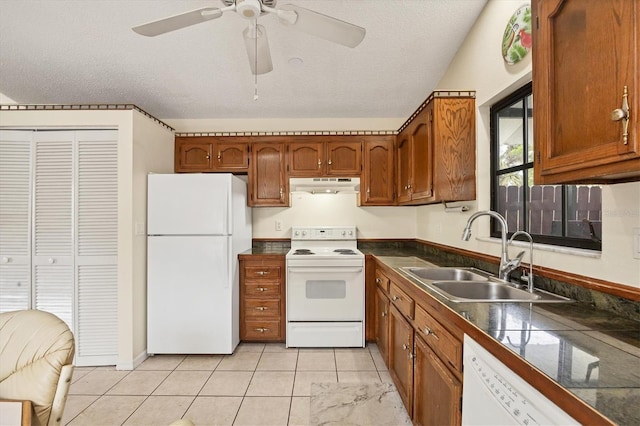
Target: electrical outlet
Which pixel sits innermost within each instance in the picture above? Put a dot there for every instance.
(278, 225)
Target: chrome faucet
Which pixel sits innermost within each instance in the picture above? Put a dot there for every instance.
(506, 265)
(524, 277)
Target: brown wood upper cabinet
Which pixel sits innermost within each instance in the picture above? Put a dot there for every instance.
(211, 154)
(585, 81)
(268, 182)
(377, 184)
(311, 156)
(436, 151)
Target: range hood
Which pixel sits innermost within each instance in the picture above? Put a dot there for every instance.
(325, 185)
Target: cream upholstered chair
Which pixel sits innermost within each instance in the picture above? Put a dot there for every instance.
(36, 355)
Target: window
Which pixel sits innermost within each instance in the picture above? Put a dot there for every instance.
(565, 215)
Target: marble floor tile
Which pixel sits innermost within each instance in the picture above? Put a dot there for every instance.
(214, 410)
(263, 410)
(227, 383)
(183, 383)
(161, 362)
(240, 361)
(108, 410)
(299, 413)
(354, 361)
(316, 361)
(160, 410)
(139, 383)
(303, 380)
(200, 362)
(358, 377)
(278, 361)
(96, 382)
(79, 372)
(378, 361)
(271, 383)
(356, 404)
(385, 376)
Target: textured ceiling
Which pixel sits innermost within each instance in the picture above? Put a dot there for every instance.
(84, 51)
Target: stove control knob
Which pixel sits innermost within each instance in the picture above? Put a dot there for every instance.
(296, 233)
(350, 233)
(344, 233)
(304, 233)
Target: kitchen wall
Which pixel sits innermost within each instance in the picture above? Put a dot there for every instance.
(478, 66)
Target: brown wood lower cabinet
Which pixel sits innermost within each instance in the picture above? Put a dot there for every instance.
(424, 356)
(401, 356)
(437, 392)
(262, 308)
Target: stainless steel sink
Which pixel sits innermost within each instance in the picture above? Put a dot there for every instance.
(474, 285)
(490, 291)
(447, 274)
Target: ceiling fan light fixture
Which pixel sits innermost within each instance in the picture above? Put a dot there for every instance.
(249, 9)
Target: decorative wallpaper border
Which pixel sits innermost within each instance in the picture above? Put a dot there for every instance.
(81, 107)
(293, 133)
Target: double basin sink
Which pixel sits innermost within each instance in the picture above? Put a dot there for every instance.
(474, 285)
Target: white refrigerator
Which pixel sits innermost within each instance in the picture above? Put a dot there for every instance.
(196, 226)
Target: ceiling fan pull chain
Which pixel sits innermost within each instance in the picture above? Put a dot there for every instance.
(255, 76)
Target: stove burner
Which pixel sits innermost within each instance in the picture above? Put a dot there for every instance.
(303, 252)
(344, 251)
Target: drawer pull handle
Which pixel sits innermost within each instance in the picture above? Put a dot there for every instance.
(384, 314)
(411, 355)
(429, 332)
(378, 281)
(262, 289)
(261, 308)
(405, 346)
(261, 329)
(396, 298)
(262, 272)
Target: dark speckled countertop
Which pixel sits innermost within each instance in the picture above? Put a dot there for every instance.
(594, 354)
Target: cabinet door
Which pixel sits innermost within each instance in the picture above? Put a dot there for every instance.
(404, 166)
(231, 156)
(382, 324)
(378, 184)
(576, 137)
(267, 183)
(422, 142)
(438, 393)
(454, 149)
(401, 356)
(193, 155)
(306, 158)
(344, 156)
(15, 220)
(53, 276)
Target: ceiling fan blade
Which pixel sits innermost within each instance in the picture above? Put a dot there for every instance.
(255, 40)
(324, 26)
(182, 20)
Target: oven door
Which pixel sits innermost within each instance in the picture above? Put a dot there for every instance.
(329, 293)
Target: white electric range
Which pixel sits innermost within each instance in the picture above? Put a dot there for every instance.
(325, 288)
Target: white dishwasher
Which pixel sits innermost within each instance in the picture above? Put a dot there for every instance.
(493, 394)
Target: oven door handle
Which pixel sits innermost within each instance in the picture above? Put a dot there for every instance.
(334, 269)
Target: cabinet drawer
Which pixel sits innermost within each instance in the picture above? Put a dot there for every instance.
(403, 302)
(266, 290)
(439, 339)
(262, 273)
(262, 308)
(383, 281)
(262, 329)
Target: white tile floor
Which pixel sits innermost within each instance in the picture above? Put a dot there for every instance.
(260, 384)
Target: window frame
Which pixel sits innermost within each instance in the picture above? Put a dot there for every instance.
(527, 168)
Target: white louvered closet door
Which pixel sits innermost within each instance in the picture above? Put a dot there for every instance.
(15, 220)
(97, 247)
(53, 240)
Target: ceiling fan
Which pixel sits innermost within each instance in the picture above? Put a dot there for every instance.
(255, 36)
